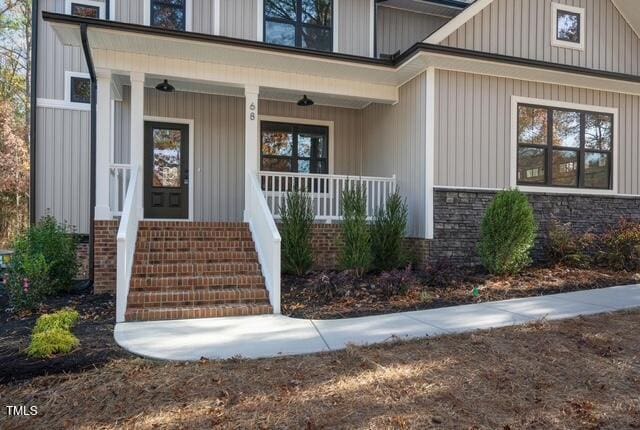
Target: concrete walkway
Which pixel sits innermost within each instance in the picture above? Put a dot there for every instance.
(276, 335)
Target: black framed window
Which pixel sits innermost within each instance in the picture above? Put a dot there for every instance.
(80, 90)
(564, 148)
(85, 10)
(568, 26)
(169, 14)
(294, 148)
(299, 23)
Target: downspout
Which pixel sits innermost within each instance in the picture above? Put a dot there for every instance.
(33, 111)
(92, 169)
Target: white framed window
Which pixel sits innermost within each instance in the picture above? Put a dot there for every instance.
(169, 14)
(77, 89)
(563, 147)
(568, 26)
(85, 8)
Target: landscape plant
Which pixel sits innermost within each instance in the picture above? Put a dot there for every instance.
(620, 247)
(296, 229)
(356, 252)
(388, 233)
(44, 263)
(507, 233)
(52, 334)
(566, 247)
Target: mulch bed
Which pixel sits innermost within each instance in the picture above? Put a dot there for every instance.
(94, 330)
(332, 295)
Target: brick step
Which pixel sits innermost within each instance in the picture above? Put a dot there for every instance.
(188, 225)
(195, 269)
(188, 312)
(211, 234)
(191, 244)
(169, 283)
(197, 297)
(168, 257)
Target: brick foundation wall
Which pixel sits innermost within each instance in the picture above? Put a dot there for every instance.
(458, 214)
(106, 233)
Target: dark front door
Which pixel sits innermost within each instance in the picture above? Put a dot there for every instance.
(166, 170)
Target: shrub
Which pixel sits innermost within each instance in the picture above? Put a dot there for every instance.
(387, 234)
(566, 247)
(44, 263)
(63, 319)
(297, 224)
(507, 233)
(356, 254)
(620, 247)
(54, 341)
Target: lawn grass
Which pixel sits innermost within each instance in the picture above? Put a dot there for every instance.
(581, 373)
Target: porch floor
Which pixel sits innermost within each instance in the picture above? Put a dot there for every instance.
(275, 335)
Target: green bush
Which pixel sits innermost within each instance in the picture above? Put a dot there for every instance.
(566, 247)
(387, 234)
(507, 234)
(54, 341)
(64, 319)
(44, 263)
(297, 224)
(356, 253)
(620, 247)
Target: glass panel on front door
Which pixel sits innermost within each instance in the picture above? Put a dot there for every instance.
(166, 158)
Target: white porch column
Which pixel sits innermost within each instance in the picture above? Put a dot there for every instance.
(251, 146)
(103, 143)
(137, 132)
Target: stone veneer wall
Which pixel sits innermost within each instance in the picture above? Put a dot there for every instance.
(105, 247)
(458, 214)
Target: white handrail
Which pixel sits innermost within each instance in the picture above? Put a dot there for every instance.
(126, 247)
(325, 191)
(266, 238)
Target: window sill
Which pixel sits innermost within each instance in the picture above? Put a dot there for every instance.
(558, 190)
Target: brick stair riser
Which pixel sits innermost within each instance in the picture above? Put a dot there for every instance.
(168, 283)
(204, 297)
(195, 245)
(195, 269)
(146, 257)
(194, 235)
(156, 314)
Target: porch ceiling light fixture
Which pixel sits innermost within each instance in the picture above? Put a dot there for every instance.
(305, 101)
(165, 87)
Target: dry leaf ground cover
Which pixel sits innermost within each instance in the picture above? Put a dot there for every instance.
(576, 374)
(329, 295)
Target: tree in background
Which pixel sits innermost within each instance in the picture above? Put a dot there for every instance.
(15, 112)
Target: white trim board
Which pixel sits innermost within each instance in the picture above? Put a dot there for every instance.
(93, 3)
(61, 104)
(461, 19)
(188, 16)
(303, 121)
(513, 174)
(190, 123)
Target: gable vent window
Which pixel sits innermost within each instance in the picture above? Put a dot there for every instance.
(169, 14)
(77, 88)
(565, 148)
(85, 8)
(568, 26)
(299, 23)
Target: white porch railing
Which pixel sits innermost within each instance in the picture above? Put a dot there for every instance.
(119, 178)
(126, 247)
(325, 191)
(266, 238)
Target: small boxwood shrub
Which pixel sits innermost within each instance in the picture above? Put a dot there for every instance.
(356, 253)
(297, 224)
(387, 234)
(507, 233)
(52, 334)
(44, 263)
